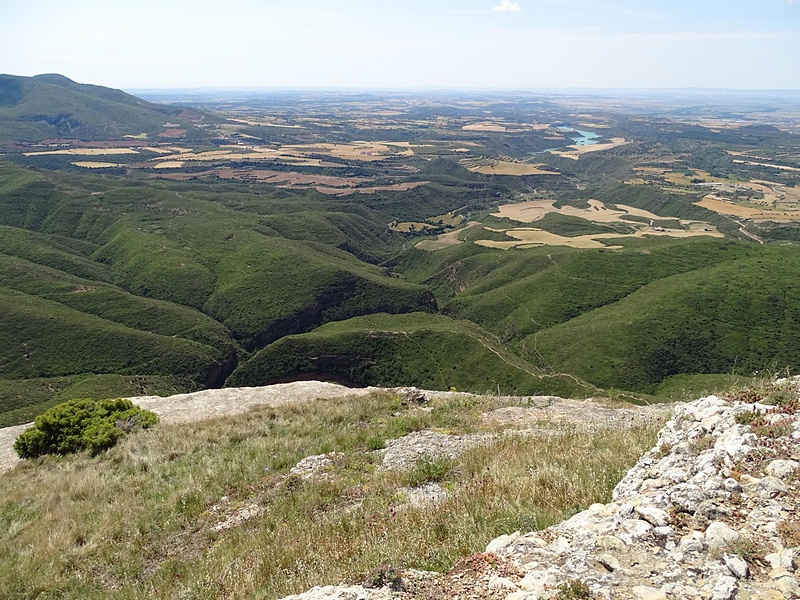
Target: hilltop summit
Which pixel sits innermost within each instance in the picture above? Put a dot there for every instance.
(710, 512)
(53, 106)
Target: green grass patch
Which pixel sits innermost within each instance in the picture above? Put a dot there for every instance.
(174, 484)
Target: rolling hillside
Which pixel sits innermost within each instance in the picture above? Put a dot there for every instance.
(429, 351)
(53, 106)
(138, 281)
(282, 247)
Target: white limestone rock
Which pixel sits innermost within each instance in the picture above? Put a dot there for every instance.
(782, 468)
(719, 535)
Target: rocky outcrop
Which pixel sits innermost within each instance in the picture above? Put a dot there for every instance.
(711, 512)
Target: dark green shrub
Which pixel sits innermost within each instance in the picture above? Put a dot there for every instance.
(83, 424)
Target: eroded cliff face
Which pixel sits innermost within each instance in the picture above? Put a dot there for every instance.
(711, 512)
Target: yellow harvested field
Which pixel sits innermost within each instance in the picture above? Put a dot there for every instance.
(682, 179)
(771, 166)
(307, 162)
(529, 212)
(90, 164)
(406, 226)
(159, 150)
(746, 155)
(363, 151)
(289, 179)
(84, 152)
(779, 213)
(258, 123)
(533, 210)
(249, 153)
(578, 151)
(326, 184)
(448, 219)
(677, 178)
(537, 237)
(503, 167)
(485, 127)
(720, 205)
(656, 170)
(445, 240)
(504, 127)
(770, 195)
(531, 237)
(200, 156)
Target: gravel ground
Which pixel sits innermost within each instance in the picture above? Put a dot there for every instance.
(8, 458)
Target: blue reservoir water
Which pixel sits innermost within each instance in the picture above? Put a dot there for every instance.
(582, 138)
(578, 137)
(585, 138)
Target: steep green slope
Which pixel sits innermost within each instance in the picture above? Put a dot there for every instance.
(355, 233)
(112, 304)
(740, 316)
(200, 253)
(60, 253)
(173, 281)
(42, 338)
(430, 351)
(517, 292)
(53, 106)
(276, 287)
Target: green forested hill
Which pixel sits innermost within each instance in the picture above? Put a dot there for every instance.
(53, 106)
(742, 314)
(100, 278)
(519, 292)
(429, 351)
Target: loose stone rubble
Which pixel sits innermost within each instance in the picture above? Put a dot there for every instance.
(312, 467)
(404, 452)
(711, 512)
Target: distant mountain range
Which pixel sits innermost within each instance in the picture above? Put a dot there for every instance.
(53, 106)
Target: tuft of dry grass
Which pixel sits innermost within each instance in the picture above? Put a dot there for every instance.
(136, 522)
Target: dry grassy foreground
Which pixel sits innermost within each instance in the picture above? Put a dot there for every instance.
(209, 509)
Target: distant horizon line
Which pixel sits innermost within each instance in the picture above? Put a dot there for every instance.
(431, 88)
(564, 89)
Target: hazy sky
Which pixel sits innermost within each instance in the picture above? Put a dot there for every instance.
(523, 44)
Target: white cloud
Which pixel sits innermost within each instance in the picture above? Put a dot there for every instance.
(508, 6)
